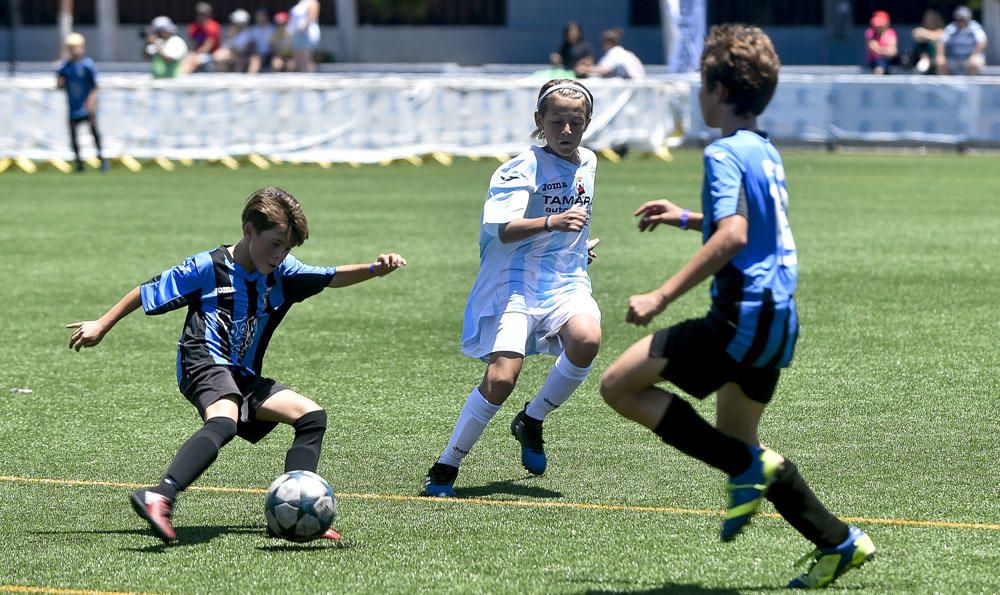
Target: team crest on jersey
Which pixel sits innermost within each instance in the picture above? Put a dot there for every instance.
(557, 203)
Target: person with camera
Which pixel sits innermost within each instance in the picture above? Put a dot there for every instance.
(164, 47)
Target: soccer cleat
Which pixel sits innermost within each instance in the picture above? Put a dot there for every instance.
(156, 509)
(331, 533)
(747, 490)
(829, 564)
(528, 431)
(439, 481)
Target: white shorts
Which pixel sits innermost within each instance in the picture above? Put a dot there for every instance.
(528, 334)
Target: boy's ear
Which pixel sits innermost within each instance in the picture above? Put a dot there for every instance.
(538, 119)
(247, 228)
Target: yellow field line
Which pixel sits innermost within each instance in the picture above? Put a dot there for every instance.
(516, 503)
(55, 591)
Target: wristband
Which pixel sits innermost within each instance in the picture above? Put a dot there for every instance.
(685, 215)
(371, 268)
(547, 228)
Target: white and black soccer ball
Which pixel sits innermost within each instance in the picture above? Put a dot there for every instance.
(300, 506)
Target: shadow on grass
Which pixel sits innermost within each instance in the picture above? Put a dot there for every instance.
(185, 535)
(680, 588)
(511, 487)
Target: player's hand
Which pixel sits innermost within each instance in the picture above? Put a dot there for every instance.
(387, 263)
(643, 307)
(656, 212)
(591, 254)
(570, 220)
(87, 333)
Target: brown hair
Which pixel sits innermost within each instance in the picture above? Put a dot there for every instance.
(580, 92)
(742, 59)
(270, 207)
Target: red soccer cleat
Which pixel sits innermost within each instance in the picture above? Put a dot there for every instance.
(331, 533)
(156, 509)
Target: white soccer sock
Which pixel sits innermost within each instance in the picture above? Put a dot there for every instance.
(476, 413)
(564, 378)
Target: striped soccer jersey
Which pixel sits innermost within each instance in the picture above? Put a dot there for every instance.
(754, 292)
(232, 313)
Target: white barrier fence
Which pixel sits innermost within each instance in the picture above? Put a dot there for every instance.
(321, 118)
(364, 120)
(863, 108)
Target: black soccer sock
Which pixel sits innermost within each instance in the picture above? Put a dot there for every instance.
(73, 141)
(196, 455)
(97, 135)
(793, 499)
(304, 453)
(685, 430)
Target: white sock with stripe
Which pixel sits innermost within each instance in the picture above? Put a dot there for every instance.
(476, 414)
(563, 379)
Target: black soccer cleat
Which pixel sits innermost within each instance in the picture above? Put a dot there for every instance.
(156, 509)
(439, 481)
(528, 431)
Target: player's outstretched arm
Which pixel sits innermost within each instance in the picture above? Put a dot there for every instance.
(349, 274)
(660, 211)
(721, 247)
(88, 333)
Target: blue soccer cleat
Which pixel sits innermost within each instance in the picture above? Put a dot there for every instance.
(747, 490)
(439, 481)
(829, 564)
(528, 431)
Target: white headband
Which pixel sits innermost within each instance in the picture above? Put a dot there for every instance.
(573, 86)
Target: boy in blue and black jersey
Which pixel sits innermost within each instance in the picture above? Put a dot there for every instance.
(748, 336)
(78, 76)
(235, 297)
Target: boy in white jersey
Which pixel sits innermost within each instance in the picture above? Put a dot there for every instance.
(532, 294)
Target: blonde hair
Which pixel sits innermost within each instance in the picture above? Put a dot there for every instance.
(270, 207)
(573, 90)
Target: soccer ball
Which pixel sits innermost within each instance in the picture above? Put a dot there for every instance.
(300, 506)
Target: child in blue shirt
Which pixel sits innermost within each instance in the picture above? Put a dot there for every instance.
(739, 348)
(78, 76)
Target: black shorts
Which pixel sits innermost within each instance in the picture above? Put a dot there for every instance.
(207, 385)
(698, 364)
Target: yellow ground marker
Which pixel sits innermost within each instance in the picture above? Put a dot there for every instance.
(442, 157)
(474, 157)
(276, 160)
(164, 163)
(61, 165)
(325, 164)
(511, 503)
(354, 164)
(186, 161)
(610, 155)
(258, 161)
(27, 165)
(58, 591)
(5, 164)
(385, 162)
(414, 160)
(501, 157)
(131, 163)
(94, 162)
(229, 162)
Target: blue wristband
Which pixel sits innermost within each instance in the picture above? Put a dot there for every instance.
(685, 215)
(371, 268)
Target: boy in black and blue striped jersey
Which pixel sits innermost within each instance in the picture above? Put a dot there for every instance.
(236, 296)
(748, 336)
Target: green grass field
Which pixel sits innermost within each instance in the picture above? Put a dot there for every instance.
(890, 408)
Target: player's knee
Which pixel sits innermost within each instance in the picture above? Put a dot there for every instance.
(583, 351)
(612, 389)
(312, 423)
(220, 430)
(499, 386)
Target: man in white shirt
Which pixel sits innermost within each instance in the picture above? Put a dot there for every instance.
(616, 61)
(960, 50)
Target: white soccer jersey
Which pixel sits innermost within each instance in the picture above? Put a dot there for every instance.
(541, 273)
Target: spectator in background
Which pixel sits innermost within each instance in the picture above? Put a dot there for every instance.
(925, 38)
(616, 61)
(303, 23)
(206, 37)
(281, 45)
(165, 48)
(881, 45)
(961, 46)
(259, 35)
(78, 75)
(574, 48)
(234, 53)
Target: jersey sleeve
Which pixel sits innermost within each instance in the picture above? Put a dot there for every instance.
(725, 179)
(301, 281)
(507, 199)
(92, 72)
(175, 288)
